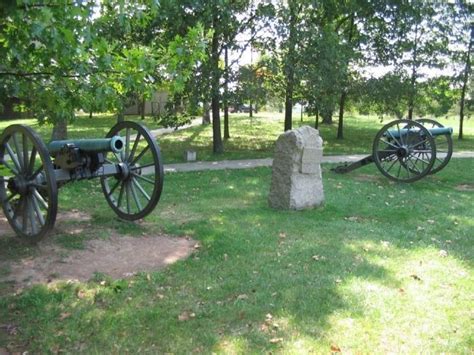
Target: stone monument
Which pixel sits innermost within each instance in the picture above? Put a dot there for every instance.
(296, 172)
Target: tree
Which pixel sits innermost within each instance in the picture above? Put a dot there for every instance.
(66, 59)
(418, 38)
(45, 51)
(464, 40)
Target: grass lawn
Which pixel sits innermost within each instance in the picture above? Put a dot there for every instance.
(250, 138)
(382, 267)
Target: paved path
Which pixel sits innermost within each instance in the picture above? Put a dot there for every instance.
(251, 163)
(254, 163)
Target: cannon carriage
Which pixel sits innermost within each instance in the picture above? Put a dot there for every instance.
(406, 150)
(127, 162)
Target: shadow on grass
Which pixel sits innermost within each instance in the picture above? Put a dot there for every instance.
(262, 277)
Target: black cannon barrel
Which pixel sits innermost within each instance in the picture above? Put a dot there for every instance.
(114, 144)
(438, 131)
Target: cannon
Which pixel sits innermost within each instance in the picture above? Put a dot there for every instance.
(127, 161)
(406, 150)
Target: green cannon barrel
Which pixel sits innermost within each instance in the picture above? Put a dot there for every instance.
(114, 144)
(438, 131)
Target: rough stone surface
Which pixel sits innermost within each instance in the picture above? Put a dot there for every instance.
(296, 171)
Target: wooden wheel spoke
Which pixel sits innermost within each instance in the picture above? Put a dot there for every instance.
(142, 153)
(18, 152)
(9, 198)
(24, 214)
(36, 173)
(134, 148)
(391, 166)
(25, 154)
(141, 189)
(127, 143)
(119, 201)
(38, 210)
(114, 188)
(127, 196)
(31, 217)
(135, 197)
(141, 177)
(13, 157)
(389, 143)
(142, 166)
(11, 168)
(31, 163)
(40, 198)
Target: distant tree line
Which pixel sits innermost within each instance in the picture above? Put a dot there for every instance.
(61, 56)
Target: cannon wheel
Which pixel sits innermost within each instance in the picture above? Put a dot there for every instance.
(444, 145)
(404, 157)
(135, 191)
(28, 190)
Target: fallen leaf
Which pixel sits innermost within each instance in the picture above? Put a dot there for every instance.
(242, 297)
(276, 340)
(443, 253)
(431, 221)
(335, 349)
(415, 277)
(268, 318)
(282, 235)
(184, 316)
(64, 315)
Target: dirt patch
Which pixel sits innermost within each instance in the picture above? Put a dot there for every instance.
(117, 256)
(61, 218)
(464, 187)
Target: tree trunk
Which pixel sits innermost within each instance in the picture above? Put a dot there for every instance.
(143, 103)
(316, 123)
(289, 68)
(342, 101)
(467, 70)
(90, 114)
(59, 130)
(120, 116)
(412, 93)
(251, 109)
(217, 145)
(340, 125)
(327, 117)
(226, 94)
(206, 117)
(301, 113)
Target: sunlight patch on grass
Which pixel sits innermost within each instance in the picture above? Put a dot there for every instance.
(232, 345)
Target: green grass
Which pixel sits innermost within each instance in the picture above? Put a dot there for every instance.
(365, 273)
(255, 138)
(83, 127)
(250, 138)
